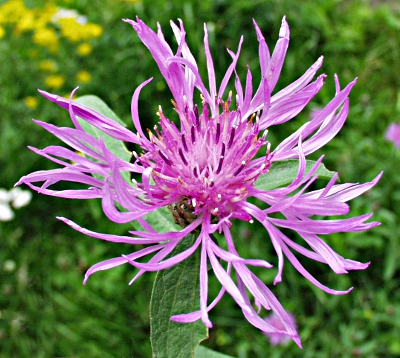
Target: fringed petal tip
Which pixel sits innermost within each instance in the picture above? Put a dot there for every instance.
(137, 25)
(297, 340)
(19, 182)
(48, 95)
(85, 280)
(377, 178)
(278, 279)
(284, 30)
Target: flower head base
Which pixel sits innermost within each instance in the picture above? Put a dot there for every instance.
(205, 169)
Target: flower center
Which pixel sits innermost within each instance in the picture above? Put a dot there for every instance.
(209, 160)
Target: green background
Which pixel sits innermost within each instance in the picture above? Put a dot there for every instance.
(45, 311)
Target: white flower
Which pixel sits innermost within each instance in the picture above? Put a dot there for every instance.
(16, 198)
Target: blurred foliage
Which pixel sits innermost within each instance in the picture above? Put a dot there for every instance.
(44, 309)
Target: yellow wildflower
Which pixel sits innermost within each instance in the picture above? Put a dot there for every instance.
(44, 15)
(46, 37)
(12, 11)
(75, 31)
(54, 81)
(2, 32)
(83, 77)
(48, 65)
(84, 49)
(70, 29)
(26, 22)
(93, 30)
(31, 102)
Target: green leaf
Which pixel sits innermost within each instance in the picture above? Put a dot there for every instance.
(175, 291)
(100, 106)
(203, 352)
(115, 146)
(161, 220)
(283, 173)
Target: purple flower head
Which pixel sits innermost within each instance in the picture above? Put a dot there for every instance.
(393, 134)
(205, 169)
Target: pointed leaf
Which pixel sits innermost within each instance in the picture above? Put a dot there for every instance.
(283, 173)
(175, 291)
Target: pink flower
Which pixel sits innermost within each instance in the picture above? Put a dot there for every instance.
(206, 169)
(278, 338)
(393, 134)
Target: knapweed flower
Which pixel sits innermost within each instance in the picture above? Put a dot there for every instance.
(393, 134)
(206, 168)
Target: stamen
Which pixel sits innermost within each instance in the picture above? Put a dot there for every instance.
(221, 159)
(229, 99)
(195, 172)
(151, 135)
(240, 168)
(226, 107)
(196, 115)
(162, 155)
(218, 133)
(205, 110)
(175, 104)
(165, 177)
(183, 157)
(231, 137)
(193, 134)
(268, 148)
(184, 143)
(223, 150)
(255, 173)
(155, 128)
